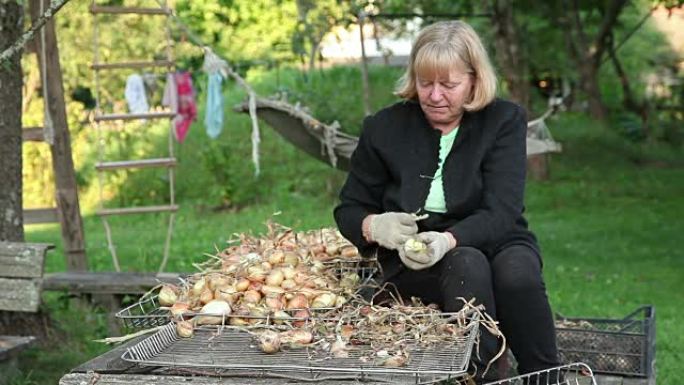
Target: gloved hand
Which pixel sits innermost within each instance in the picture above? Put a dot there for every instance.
(437, 244)
(391, 230)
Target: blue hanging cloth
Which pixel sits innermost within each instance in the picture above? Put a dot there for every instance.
(213, 114)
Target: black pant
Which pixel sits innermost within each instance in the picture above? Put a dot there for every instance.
(509, 285)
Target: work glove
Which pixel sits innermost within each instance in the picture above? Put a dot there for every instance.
(437, 244)
(391, 230)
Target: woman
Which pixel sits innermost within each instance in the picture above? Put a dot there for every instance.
(453, 151)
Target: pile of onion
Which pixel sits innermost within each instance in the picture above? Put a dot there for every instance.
(277, 278)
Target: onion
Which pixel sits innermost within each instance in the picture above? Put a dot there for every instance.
(277, 257)
(206, 296)
(216, 311)
(324, 300)
(349, 252)
(309, 292)
(288, 272)
(274, 302)
(238, 321)
(266, 289)
(255, 285)
(275, 278)
(269, 342)
(280, 316)
(395, 361)
(347, 331)
(242, 284)
(251, 296)
(349, 281)
(303, 316)
(227, 294)
(299, 301)
(266, 266)
(415, 246)
(288, 284)
(184, 329)
(320, 282)
(257, 315)
(218, 280)
(291, 259)
(168, 295)
(256, 273)
(332, 248)
(179, 309)
(340, 300)
(297, 337)
(199, 286)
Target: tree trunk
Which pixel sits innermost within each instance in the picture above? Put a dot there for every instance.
(589, 84)
(11, 216)
(510, 52)
(66, 191)
(588, 53)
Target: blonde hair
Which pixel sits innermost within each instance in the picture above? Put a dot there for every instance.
(442, 47)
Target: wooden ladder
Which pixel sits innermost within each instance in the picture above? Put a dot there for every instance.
(102, 119)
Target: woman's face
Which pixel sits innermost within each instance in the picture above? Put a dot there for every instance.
(442, 98)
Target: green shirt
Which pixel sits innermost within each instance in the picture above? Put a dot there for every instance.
(435, 200)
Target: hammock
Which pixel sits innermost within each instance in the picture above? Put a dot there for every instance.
(327, 143)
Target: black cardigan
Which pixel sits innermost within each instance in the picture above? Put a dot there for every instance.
(483, 176)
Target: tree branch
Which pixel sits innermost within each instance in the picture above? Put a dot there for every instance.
(12, 50)
(612, 13)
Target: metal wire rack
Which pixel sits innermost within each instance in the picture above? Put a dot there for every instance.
(226, 350)
(146, 313)
(571, 374)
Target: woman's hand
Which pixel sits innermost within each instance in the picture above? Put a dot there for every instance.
(391, 230)
(437, 245)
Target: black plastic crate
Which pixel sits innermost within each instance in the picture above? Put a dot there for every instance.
(623, 347)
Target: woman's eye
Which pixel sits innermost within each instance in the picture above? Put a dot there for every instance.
(449, 86)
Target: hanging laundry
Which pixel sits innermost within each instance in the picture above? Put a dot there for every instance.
(135, 95)
(213, 114)
(179, 96)
(170, 97)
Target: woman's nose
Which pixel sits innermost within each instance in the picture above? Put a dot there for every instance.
(436, 92)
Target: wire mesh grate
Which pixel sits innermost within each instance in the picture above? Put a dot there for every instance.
(230, 349)
(570, 374)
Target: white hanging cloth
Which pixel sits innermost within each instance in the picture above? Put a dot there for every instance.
(135, 95)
